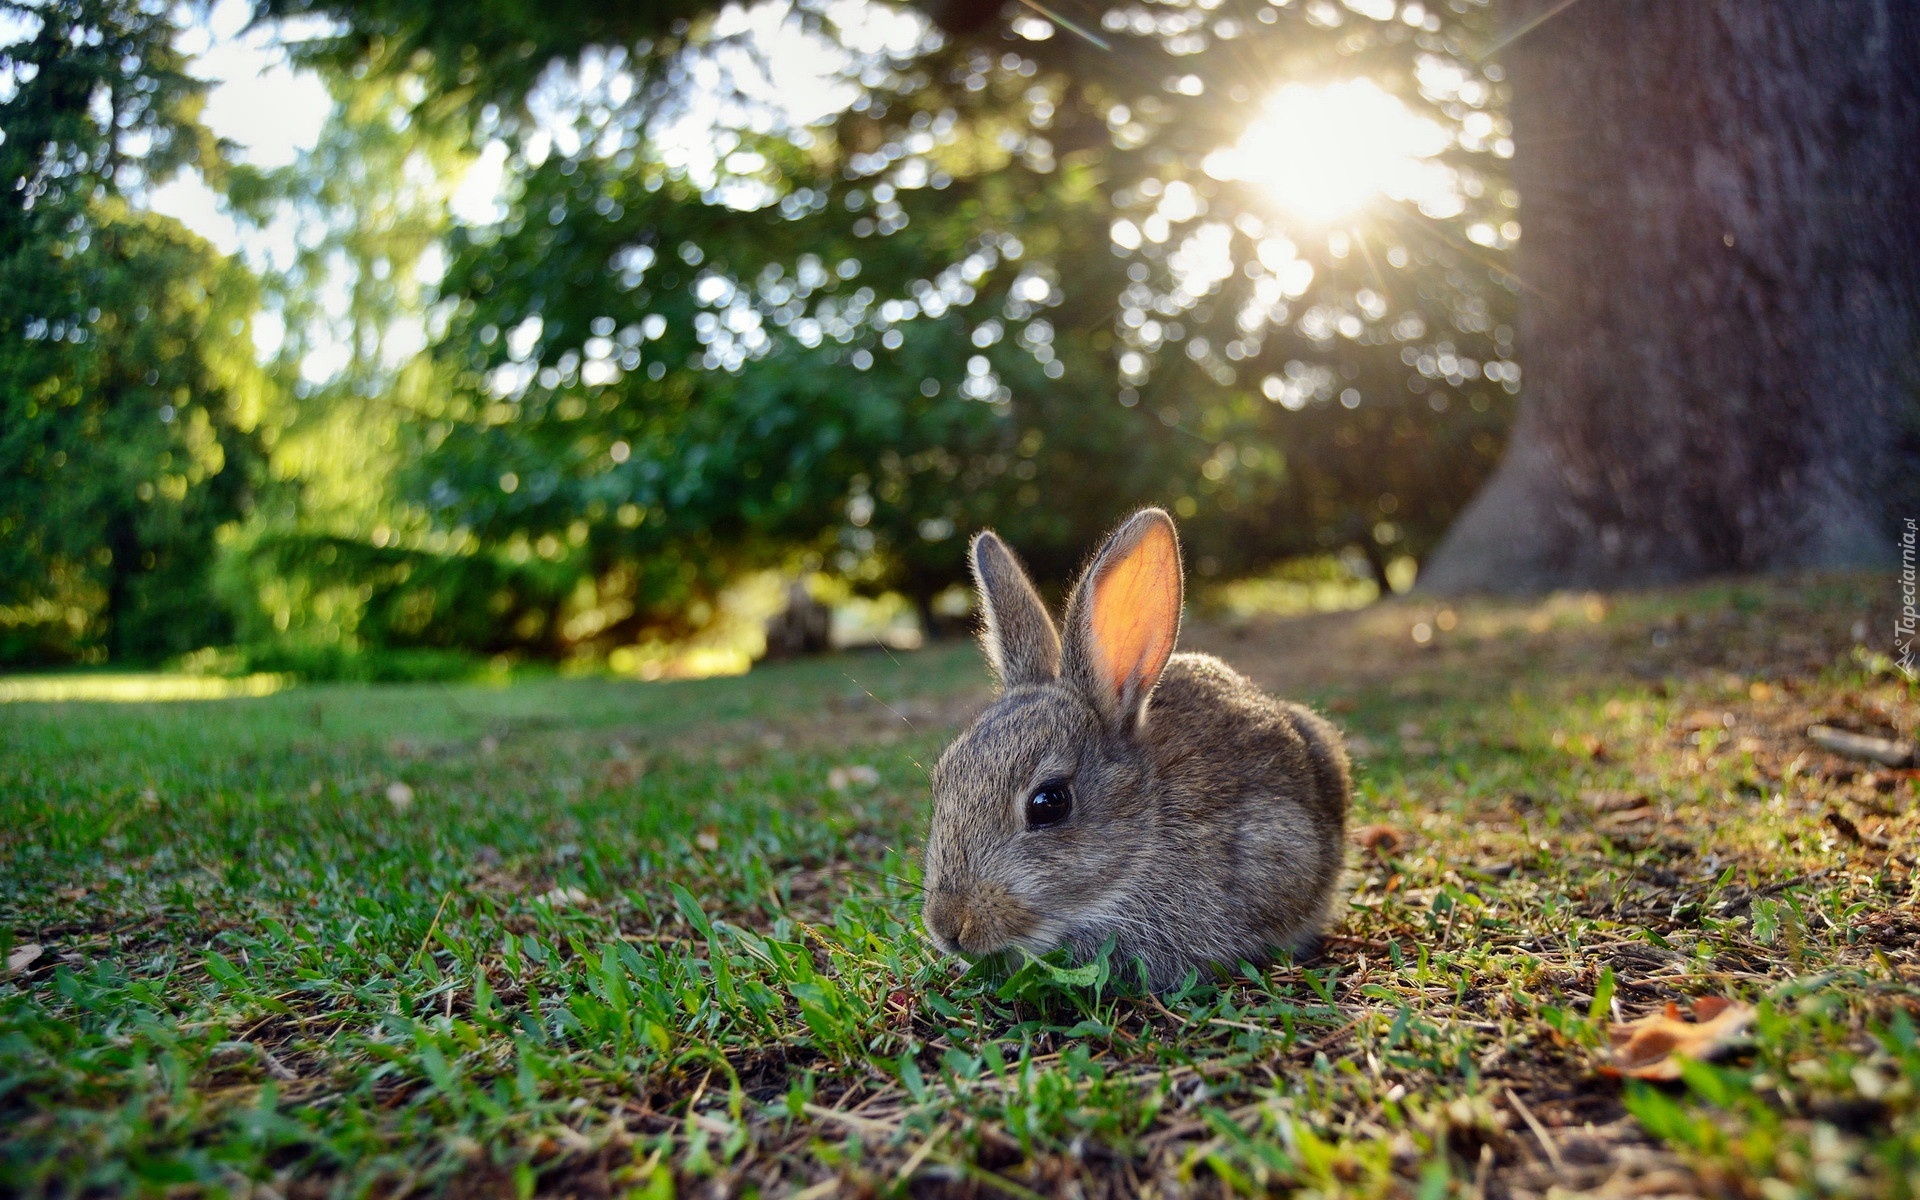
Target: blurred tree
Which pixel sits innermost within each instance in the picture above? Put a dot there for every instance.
(1723, 295)
(128, 388)
(335, 559)
(1001, 288)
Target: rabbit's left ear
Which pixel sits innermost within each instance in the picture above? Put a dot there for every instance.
(1017, 634)
(1124, 618)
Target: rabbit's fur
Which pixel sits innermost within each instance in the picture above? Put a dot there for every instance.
(1207, 820)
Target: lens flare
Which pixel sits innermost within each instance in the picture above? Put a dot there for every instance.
(1324, 152)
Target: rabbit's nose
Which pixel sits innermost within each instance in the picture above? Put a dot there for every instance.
(946, 920)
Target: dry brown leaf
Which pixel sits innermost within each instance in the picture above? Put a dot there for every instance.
(562, 897)
(1849, 830)
(1610, 800)
(707, 839)
(1652, 1047)
(1700, 719)
(1381, 840)
(23, 956)
(623, 772)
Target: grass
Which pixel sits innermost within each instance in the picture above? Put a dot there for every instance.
(580, 937)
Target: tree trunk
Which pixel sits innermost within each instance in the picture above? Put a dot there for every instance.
(1719, 294)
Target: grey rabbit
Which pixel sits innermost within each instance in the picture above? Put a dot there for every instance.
(1115, 789)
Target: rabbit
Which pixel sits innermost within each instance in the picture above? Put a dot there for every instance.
(1115, 789)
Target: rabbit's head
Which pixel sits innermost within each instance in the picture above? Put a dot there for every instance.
(1042, 811)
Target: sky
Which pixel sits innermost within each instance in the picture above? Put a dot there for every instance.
(269, 110)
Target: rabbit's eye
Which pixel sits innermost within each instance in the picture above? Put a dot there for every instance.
(1049, 804)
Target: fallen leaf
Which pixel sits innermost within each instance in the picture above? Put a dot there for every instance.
(1701, 719)
(1609, 800)
(562, 895)
(1852, 833)
(400, 796)
(623, 772)
(23, 956)
(841, 779)
(1651, 1047)
(707, 840)
(1380, 840)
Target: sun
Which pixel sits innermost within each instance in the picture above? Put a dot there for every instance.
(1324, 152)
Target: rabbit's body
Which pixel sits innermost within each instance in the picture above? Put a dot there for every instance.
(1204, 827)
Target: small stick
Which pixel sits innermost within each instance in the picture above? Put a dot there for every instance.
(846, 1118)
(431, 929)
(919, 1156)
(1539, 1131)
(1886, 752)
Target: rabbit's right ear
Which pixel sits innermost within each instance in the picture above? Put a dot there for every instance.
(1124, 617)
(1021, 643)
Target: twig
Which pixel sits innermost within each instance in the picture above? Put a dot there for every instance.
(919, 1156)
(868, 1124)
(1885, 751)
(1539, 1131)
(431, 930)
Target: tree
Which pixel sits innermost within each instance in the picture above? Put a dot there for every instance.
(1721, 321)
(635, 340)
(334, 559)
(128, 389)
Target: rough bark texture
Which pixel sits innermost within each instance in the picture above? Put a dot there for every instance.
(1720, 294)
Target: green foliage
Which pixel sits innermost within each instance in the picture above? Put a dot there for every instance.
(128, 390)
(852, 344)
(997, 286)
(310, 590)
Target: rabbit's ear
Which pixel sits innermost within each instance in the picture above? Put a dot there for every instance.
(1018, 635)
(1124, 617)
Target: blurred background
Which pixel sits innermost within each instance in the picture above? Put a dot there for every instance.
(418, 338)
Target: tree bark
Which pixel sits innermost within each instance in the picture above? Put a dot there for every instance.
(1720, 287)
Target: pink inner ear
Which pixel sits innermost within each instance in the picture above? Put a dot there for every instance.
(1136, 612)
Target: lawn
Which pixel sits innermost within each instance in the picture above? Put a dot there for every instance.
(582, 937)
